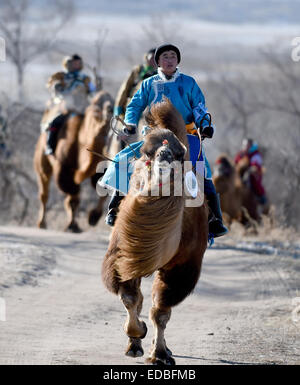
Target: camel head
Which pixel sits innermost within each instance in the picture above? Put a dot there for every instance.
(223, 167)
(224, 174)
(102, 106)
(162, 158)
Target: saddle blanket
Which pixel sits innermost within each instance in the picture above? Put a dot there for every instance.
(118, 174)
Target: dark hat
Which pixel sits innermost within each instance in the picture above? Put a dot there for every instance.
(76, 57)
(166, 47)
(152, 50)
(148, 55)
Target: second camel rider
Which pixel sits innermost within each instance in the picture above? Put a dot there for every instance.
(69, 89)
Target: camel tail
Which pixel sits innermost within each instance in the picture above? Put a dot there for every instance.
(65, 181)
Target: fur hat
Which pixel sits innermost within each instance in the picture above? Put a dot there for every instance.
(166, 47)
(67, 61)
(149, 54)
(76, 57)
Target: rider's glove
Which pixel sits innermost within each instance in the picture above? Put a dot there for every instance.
(207, 131)
(130, 129)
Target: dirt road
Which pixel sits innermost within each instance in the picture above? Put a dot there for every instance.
(58, 312)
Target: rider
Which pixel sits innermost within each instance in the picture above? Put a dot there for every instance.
(133, 81)
(186, 96)
(64, 88)
(255, 167)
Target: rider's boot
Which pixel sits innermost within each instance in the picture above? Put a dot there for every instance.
(215, 223)
(113, 208)
(52, 132)
(51, 141)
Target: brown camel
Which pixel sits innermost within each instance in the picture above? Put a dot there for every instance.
(72, 163)
(156, 234)
(238, 202)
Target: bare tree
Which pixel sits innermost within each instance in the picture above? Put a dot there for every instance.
(238, 92)
(157, 30)
(281, 99)
(161, 29)
(284, 93)
(30, 31)
(96, 68)
(16, 182)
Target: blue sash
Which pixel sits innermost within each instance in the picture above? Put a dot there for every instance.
(118, 175)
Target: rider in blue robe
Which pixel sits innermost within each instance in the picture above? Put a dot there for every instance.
(187, 97)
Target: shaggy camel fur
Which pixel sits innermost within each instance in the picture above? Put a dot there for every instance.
(156, 234)
(238, 202)
(72, 163)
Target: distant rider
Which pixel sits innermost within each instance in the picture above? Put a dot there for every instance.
(70, 90)
(254, 170)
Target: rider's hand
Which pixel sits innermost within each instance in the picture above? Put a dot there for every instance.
(207, 132)
(129, 130)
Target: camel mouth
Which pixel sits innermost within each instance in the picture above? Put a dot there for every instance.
(165, 155)
(162, 168)
(217, 172)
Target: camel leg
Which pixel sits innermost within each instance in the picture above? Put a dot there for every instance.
(132, 298)
(43, 196)
(170, 287)
(71, 204)
(95, 214)
(43, 187)
(159, 351)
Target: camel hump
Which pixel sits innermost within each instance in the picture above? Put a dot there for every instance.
(224, 159)
(165, 115)
(101, 97)
(56, 77)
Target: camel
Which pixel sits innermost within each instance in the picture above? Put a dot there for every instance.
(238, 202)
(72, 163)
(156, 234)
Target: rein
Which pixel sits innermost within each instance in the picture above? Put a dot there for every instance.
(207, 114)
(101, 155)
(119, 132)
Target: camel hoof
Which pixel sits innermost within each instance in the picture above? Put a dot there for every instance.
(169, 351)
(73, 228)
(134, 348)
(94, 217)
(161, 360)
(42, 225)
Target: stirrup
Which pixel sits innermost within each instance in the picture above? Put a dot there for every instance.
(216, 228)
(111, 217)
(49, 151)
